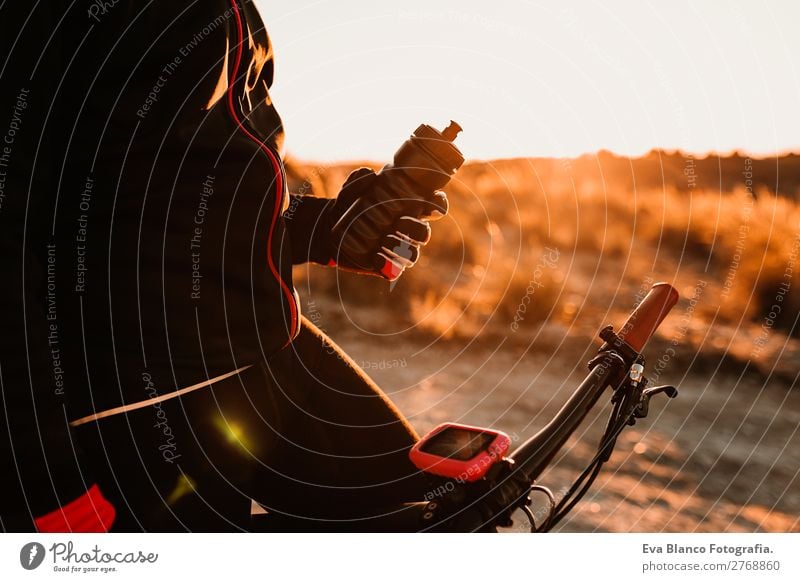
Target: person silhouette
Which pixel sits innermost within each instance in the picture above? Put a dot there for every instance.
(157, 372)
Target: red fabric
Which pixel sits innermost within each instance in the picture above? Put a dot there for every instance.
(391, 270)
(91, 512)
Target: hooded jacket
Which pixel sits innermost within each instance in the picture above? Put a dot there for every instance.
(141, 216)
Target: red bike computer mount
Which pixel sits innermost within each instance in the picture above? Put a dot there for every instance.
(459, 451)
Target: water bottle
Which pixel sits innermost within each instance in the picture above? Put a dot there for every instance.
(424, 163)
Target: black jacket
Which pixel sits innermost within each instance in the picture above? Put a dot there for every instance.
(141, 215)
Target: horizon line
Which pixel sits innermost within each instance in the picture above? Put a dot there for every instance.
(736, 152)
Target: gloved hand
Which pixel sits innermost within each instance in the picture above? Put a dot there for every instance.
(91, 512)
(396, 227)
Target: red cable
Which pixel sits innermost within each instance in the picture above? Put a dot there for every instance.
(276, 166)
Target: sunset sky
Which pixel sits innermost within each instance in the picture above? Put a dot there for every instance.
(354, 78)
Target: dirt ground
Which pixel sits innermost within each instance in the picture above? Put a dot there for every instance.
(722, 457)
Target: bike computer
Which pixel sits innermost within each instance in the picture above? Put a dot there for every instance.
(459, 451)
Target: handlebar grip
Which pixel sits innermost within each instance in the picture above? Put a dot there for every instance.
(646, 318)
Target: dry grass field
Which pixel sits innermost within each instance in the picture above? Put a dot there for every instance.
(496, 322)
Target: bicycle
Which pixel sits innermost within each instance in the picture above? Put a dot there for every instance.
(506, 484)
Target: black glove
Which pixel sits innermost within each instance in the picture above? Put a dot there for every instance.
(398, 244)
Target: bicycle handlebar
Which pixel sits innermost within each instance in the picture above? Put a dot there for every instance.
(535, 454)
(511, 484)
(646, 318)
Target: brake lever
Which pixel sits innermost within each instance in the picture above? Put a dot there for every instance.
(643, 408)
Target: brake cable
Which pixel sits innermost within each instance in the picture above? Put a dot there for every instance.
(630, 402)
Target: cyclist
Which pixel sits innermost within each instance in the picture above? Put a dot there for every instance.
(157, 373)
